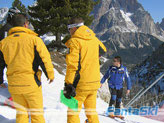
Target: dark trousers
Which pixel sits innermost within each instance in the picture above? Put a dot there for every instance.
(116, 96)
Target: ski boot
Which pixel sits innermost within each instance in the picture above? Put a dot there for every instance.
(110, 111)
(111, 115)
(120, 116)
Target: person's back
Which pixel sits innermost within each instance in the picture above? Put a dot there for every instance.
(22, 52)
(89, 67)
(83, 70)
(18, 50)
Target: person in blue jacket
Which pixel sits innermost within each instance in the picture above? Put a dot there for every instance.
(116, 74)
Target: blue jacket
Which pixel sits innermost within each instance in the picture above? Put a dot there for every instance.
(116, 77)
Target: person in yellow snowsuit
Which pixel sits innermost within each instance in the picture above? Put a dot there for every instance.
(83, 70)
(22, 52)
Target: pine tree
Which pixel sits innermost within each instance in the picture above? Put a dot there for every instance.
(54, 15)
(19, 5)
(83, 8)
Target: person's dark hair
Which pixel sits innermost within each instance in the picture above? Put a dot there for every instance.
(12, 11)
(75, 20)
(19, 19)
(118, 59)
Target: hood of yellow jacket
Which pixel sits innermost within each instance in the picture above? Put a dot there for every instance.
(21, 29)
(82, 32)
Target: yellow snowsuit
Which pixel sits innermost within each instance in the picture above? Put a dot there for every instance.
(83, 71)
(22, 52)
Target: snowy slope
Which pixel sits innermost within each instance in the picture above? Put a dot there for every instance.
(57, 112)
(49, 38)
(130, 25)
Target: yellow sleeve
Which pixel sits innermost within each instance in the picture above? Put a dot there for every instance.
(72, 61)
(102, 46)
(45, 57)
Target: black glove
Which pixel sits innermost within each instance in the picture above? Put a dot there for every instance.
(69, 91)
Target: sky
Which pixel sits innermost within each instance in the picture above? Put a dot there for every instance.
(154, 7)
(8, 3)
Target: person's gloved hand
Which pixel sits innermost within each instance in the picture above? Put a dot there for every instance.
(69, 91)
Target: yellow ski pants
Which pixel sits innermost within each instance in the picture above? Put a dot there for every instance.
(29, 104)
(88, 98)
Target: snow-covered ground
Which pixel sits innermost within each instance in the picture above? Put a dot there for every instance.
(49, 38)
(56, 112)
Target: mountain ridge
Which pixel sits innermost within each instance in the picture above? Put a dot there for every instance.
(126, 29)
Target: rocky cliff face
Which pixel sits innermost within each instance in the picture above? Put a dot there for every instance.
(150, 69)
(132, 47)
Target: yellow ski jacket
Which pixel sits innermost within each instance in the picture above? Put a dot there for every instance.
(22, 52)
(83, 68)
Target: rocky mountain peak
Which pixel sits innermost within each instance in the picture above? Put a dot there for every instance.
(126, 5)
(128, 15)
(126, 29)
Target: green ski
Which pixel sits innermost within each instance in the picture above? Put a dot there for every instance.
(71, 103)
